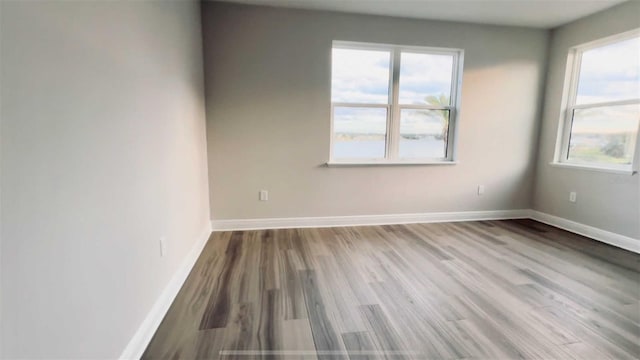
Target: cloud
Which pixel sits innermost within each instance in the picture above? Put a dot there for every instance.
(348, 120)
(362, 76)
(423, 75)
(609, 119)
(610, 73)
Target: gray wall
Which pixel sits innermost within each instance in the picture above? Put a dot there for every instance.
(606, 201)
(103, 152)
(268, 105)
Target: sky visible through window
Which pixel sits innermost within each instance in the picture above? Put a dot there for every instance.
(607, 133)
(360, 76)
(363, 77)
(604, 134)
(610, 73)
(423, 76)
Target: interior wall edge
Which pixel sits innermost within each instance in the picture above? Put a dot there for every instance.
(607, 201)
(138, 343)
(535, 156)
(605, 236)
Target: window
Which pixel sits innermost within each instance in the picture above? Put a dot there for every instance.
(602, 116)
(393, 104)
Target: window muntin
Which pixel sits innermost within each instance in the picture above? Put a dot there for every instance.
(421, 89)
(602, 116)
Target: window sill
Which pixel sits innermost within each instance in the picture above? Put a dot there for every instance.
(387, 163)
(593, 168)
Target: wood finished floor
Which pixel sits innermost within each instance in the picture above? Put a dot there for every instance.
(514, 289)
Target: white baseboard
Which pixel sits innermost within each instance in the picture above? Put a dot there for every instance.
(608, 237)
(147, 329)
(361, 220)
(140, 340)
(604, 236)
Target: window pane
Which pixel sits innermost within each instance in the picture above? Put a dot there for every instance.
(604, 135)
(610, 73)
(360, 76)
(425, 78)
(423, 133)
(359, 132)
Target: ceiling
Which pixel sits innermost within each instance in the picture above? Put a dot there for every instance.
(530, 13)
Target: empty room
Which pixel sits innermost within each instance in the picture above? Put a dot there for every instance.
(320, 179)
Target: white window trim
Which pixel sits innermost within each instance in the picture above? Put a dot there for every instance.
(572, 75)
(393, 107)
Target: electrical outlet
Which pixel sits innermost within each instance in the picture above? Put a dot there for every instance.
(480, 190)
(573, 197)
(163, 246)
(263, 195)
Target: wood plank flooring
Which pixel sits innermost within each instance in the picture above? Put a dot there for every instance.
(514, 289)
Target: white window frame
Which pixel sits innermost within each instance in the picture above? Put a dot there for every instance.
(392, 139)
(572, 76)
